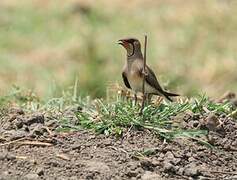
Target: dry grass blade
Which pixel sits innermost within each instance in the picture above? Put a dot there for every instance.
(21, 157)
(224, 172)
(13, 142)
(35, 143)
(23, 141)
(48, 130)
(63, 156)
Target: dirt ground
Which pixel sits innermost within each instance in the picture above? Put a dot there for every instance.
(31, 149)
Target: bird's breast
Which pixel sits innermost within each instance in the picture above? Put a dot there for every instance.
(135, 77)
(136, 81)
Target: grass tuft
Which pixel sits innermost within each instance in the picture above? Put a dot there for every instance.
(118, 116)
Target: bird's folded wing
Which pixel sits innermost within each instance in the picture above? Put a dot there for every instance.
(151, 79)
(125, 80)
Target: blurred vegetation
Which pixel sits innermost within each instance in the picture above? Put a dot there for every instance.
(45, 45)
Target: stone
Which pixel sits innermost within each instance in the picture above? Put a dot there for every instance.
(212, 122)
(148, 175)
(100, 167)
(180, 171)
(18, 122)
(191, 170)
(168, 167)
(73, 178)
(3, 156)
(38, 118)
(37, 130)
(40, 171)
(17, 134)
(31, 176)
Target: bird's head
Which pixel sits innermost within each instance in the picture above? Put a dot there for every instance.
(132, 45)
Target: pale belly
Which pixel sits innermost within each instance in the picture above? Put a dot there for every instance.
(136, 84)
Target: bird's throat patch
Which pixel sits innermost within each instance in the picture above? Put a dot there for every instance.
(133, 50)
(126, 44)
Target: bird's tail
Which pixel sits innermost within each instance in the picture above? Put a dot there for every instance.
(168, 94)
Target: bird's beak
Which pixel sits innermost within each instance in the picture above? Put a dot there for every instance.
(123, 42)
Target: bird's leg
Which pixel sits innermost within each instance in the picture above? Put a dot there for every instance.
(143, 103)
(135, 98)
(149, 96)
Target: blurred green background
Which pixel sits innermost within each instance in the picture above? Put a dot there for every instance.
(45, 45)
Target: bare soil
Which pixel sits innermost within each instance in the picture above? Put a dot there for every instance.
(30, 148)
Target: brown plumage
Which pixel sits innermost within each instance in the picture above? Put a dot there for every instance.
(133, 71)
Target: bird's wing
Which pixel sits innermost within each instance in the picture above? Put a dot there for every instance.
(152, 80)
(125, 80)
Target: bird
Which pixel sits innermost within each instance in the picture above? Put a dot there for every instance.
(133, 72)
